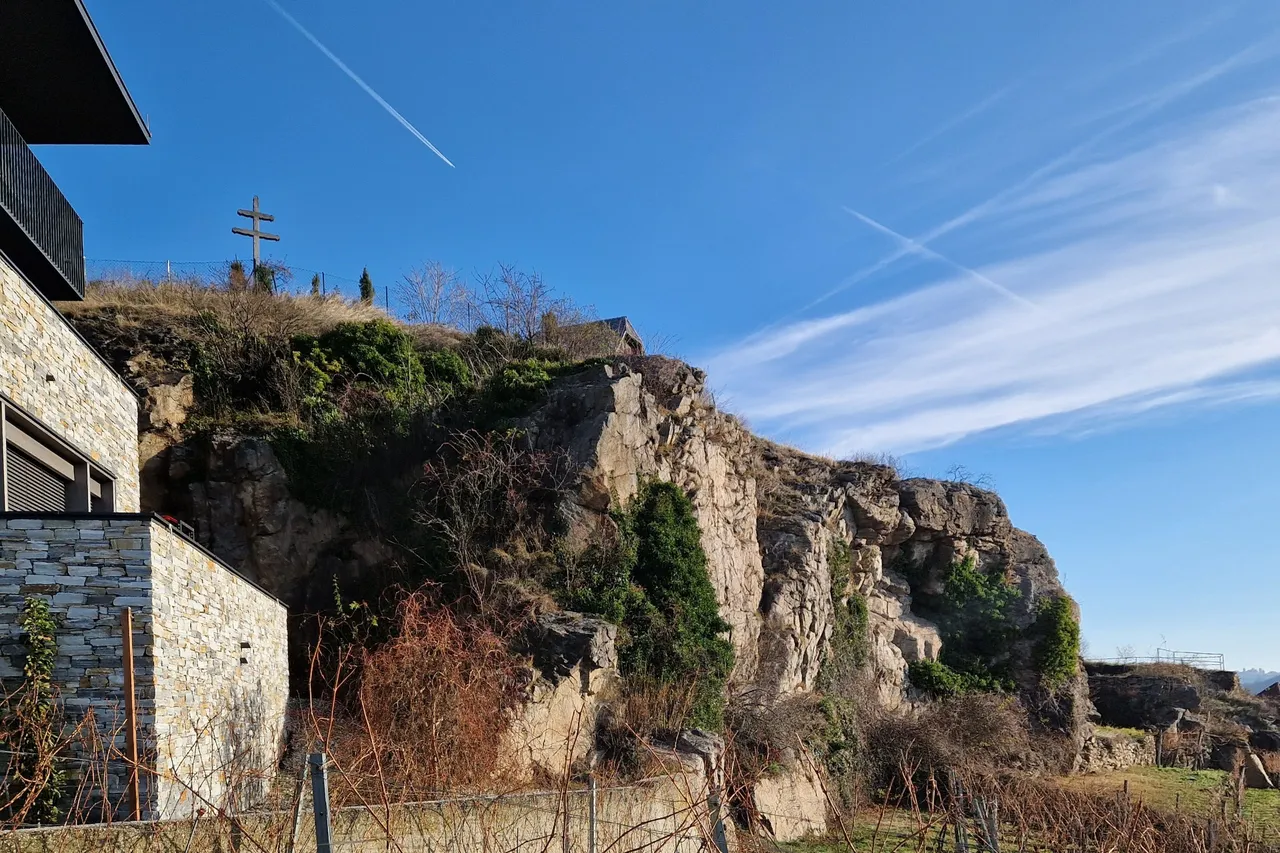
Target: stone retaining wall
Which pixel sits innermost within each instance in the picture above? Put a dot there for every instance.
(1116, 750)
(201, 697)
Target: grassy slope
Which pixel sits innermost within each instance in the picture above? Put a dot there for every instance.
(1198, 792)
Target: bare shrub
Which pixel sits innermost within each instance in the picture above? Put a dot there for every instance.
(959, 734)
(522, 306)
(514, 302)
(421, 713)
(760, 738)
(488, 497)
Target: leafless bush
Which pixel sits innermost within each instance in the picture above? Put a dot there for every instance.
(488, 497)
(961, 474)
(762, 737)
(423, 712)
(436, 295)
(959, 734)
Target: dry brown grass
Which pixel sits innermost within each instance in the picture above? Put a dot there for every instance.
(279, 313)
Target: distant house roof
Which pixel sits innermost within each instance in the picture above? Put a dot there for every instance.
(1272, 692)
(622, 326)
(57, 81)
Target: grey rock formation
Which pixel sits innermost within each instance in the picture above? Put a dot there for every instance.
(1140, 700)
(1105, 751)
(771, 519)
(618, 426)
(574, 664)
(560, 643)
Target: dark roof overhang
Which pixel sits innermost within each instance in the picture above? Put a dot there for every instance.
(58, 84)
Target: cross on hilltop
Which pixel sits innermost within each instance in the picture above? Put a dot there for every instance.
(255, 232)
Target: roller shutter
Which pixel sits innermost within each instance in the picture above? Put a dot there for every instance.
(32, 486)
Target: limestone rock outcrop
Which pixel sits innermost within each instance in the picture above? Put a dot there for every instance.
(771, 519)
(791, 802)
(235, 493)
(779, 527)
(573, 667)
(618, 426)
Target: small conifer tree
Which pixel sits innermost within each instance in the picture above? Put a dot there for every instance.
(237, 281)
(366, 287)
(315, 284)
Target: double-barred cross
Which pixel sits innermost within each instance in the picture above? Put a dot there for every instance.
(256, 233)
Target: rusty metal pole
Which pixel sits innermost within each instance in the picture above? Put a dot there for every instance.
(130, 714)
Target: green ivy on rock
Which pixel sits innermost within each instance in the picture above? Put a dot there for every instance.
(654, 584)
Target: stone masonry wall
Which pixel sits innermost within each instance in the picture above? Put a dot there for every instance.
(198, 705)
(87, 404)
(89, 570)
(222, 680)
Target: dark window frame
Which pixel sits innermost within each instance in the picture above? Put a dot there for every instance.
(90, 488)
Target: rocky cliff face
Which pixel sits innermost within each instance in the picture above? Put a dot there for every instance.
(771, 519)
(770, 516)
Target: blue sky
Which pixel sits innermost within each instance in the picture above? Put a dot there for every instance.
(1041, 241)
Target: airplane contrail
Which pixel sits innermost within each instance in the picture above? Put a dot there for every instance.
(913, 247)
(1263, 48)
(358, 81)
(974, 111)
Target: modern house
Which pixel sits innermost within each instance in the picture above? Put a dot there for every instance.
(209, 669)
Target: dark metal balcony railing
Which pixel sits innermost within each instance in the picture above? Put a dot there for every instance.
(53, 254)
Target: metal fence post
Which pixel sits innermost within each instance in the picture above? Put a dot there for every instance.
(592, 841)
(319, 764)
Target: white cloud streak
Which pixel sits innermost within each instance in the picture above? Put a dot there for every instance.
(969, 114)
(358, 80)
(925, 252)
(1132, 113)
(1157, 295)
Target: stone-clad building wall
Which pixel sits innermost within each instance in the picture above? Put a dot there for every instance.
(87, 404)
(198, 705)
(89, 569)
(222, 679)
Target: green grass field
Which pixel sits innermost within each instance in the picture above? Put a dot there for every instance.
(1197, 792)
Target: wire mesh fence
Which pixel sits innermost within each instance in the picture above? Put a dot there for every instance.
(1199, 660)
(286, 278)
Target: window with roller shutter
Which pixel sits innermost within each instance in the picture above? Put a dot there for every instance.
(33, 487)
(41, 473)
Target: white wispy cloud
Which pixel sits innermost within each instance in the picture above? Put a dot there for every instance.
(952, 123)
(1130, 114)
(1156, 294)
(357, 79)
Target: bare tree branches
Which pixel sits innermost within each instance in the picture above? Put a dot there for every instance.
(519, 304)
(433, 293)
